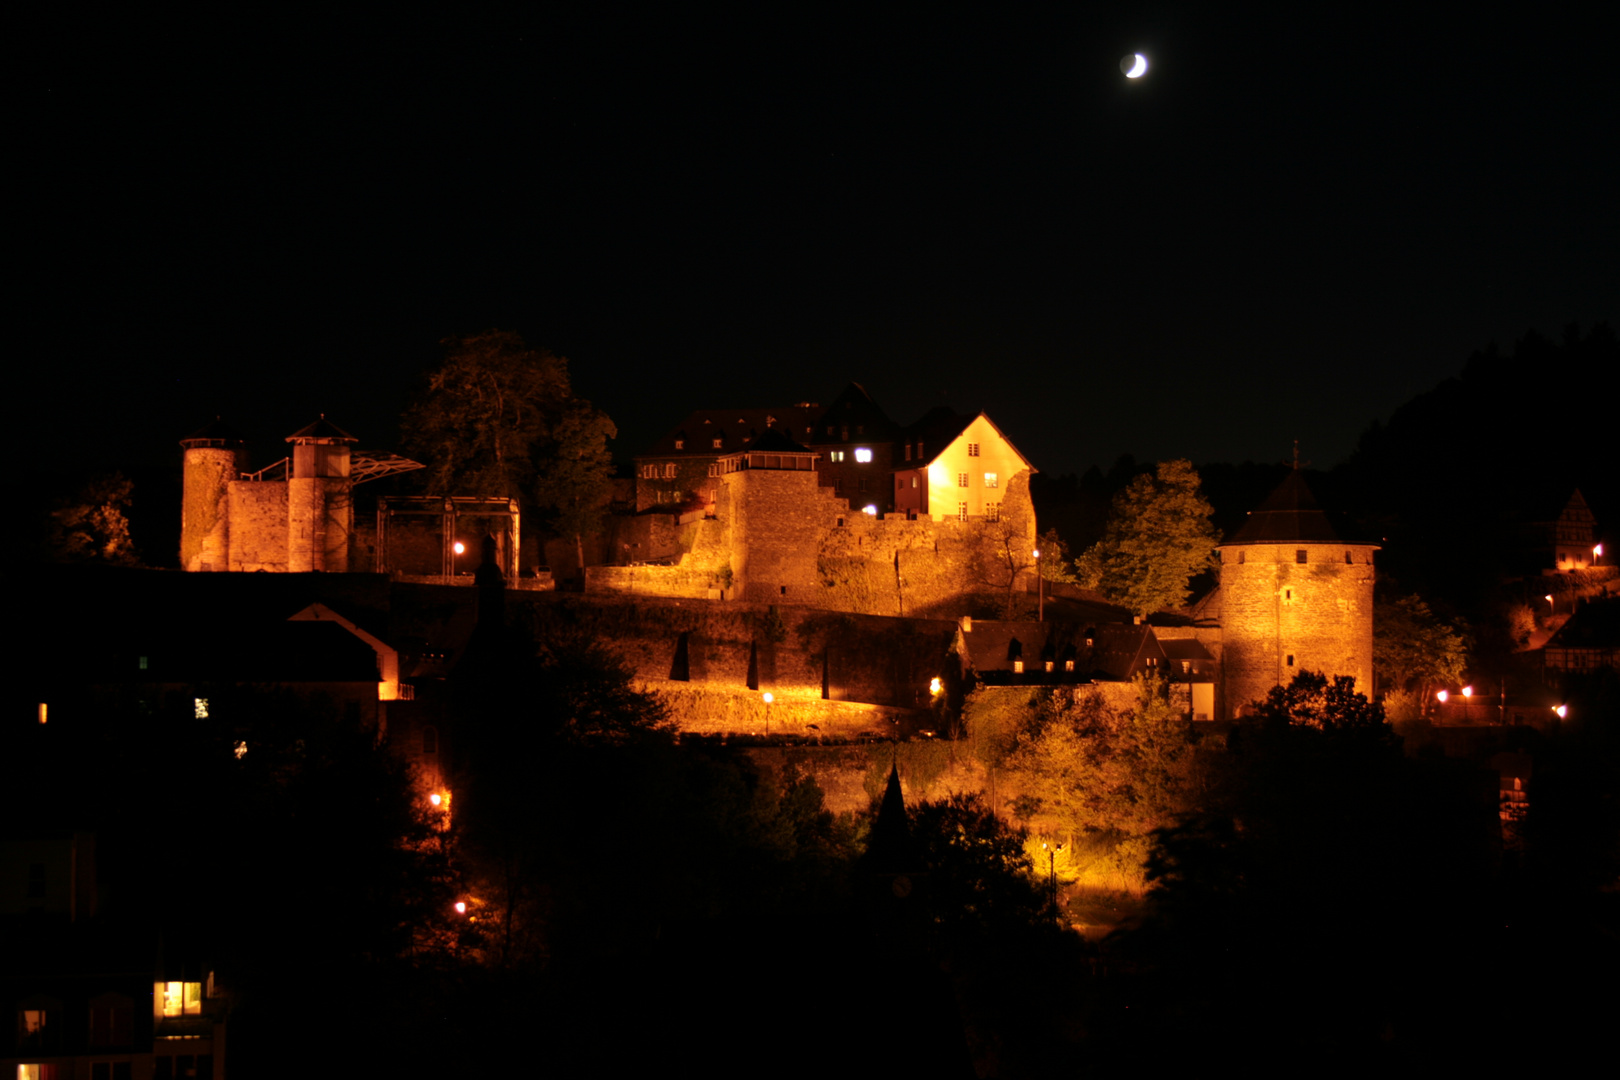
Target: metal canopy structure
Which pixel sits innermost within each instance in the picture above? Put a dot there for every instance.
(375, 464)
(451, 509)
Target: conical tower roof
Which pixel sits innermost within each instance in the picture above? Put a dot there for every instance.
(322, 430)
(1289, 515)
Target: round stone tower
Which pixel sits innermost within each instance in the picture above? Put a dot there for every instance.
(215, 455)
(1295, 596)
(320, 499)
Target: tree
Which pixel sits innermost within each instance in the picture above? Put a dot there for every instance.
(1413, 645)
(1312, 701)
(501, 418)
(1159, 536)
(1055, 567)
(92, 525)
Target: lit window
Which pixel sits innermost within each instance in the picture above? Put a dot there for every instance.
(717, 443)
(199, 708)
(1049, 665)
(961, 511)
(176, 999)
(989, 479)
(143, 663)
(962, 479)
(973, 449)
(241, 750)
(863, 454)
(669, 471)
(835, 455)
(1068, 665)
(31, 1028)
(680, 444)
(1018, 667)
(913, 481)
(992, 511)
(43, 709)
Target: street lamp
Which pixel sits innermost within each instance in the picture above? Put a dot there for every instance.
(769, 697)
(1040, 590)
(1468, 695)
(1051, 869)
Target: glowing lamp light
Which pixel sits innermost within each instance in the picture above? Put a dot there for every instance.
(1442, 695)
(1561, 711)
(436, 799)
(461, 907)
(460, 548)
(870, 508)
(934, 685)
(1037, 554)
(1597, 551)
(769, 697)
(863, 454)
(1468, 691)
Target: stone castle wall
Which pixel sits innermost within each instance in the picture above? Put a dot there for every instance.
(1274, 609)
(258, 526)
(205, 506)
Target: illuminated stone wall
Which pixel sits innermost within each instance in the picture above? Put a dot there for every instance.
(1318, 614)
(205, 506)
(258, 526)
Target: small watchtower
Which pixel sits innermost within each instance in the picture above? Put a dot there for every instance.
(1295, 595)
(215, 455)
(320, 498)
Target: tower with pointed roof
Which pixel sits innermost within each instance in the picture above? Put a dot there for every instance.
(1296, 595)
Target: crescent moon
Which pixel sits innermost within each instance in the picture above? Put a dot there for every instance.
(1138, 68)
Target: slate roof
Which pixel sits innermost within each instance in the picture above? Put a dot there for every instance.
(1117, 651)
(322, 429)
(1289, 515)
(774, 440)
(735, 427)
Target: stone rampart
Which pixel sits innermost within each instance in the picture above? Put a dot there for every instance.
(258, 526)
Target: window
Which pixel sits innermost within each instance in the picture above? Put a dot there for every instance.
(913, 481)
(1186, 666)
(835, 455)
(962, 479)
(989, 479)
(829, 429)
(44, 711)
(1049, 665)
(118, 1070)
(863, 454)
(112, 1022)
(860, 429)
(899, 482)
(1068, 665)
(717, 443)
(838, 484)
(843, 433)
(992, 511)
(1240, 557)
(36, 1072)
(961, 512)
(1348, 560)
(1290, 659)
(1299, 556)
(1288, 596)
(143, 663)
(176, 999)
(1018, 667)
(973, 449)
(680, 444)
(669, 471)
(31, 1029)
(908, 451)
(861, 484)
(199, 708)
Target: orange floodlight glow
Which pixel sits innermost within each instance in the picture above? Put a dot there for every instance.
(934, 685)
(1561, 710)
(460, 548)
(436, 799)
(461, 907)
(1468, 691)
(1442, 695)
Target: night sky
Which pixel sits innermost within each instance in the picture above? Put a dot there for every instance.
(1289, 227)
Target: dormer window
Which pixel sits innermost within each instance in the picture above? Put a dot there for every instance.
(680, 444)
(717, 443)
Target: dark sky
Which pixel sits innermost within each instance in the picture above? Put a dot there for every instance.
(1293, 224)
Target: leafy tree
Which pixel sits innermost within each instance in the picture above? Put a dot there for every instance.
(501, 418)
(92, 525)
(1312, 701)
(1054, 564)
(980, 874)
(1159, 536)
(1109, 778)
(1413, 648)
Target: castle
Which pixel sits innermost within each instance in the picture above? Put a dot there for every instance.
(837, 509)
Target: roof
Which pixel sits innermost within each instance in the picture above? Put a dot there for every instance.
(1289, 515)
(735, 427)
(1595, 625)
(940, 427)
(774, 440)
(853, 413)
(1108, 651)
(321, 429)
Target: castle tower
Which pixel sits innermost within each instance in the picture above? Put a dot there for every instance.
(320, 499)
(1295, 596)
(215, 456)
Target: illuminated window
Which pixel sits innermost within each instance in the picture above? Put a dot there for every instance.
(669, 471)
(1049, 665)
(680, 444)
(989, 479)
(973, 449)
(863, 454)
(1018, 667)
(717, 443)
(176, 999)
(199, 708)
(36, 1072)
(961, 511)
(43, 709)
(913, 481)
(240, 751)
(908, 451)
(962, 479)
(31, 1029)
(1299, 556)
(992, 511)
(143, 663)
(1068, 665)
(1186, 666)
(835, 455)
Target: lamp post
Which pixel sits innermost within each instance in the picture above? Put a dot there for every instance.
(1040, 590)
(1051, 870)
(1468, 697)
(1441, 696)
(769, 697)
